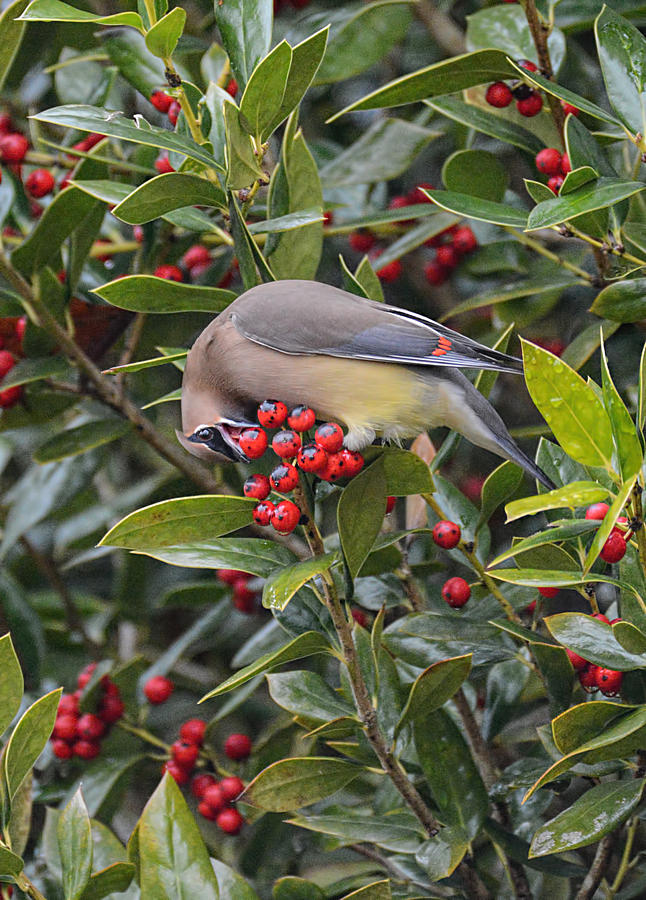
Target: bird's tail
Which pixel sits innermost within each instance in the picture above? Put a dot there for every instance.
(515, 454)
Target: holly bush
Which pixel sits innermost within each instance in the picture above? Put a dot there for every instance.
(407, 695)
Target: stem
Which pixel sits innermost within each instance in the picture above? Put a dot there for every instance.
(388, 865)
(624, 865)
(540, 33)
(599, 245)
(132, 341)
(152, 13)
(537, 247)
(597, 869)
(144, 735)
(638, 513)
(28, 887)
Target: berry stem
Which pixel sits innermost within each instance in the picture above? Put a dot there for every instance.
(540, 32)
(599, 245)
(144, 735)
(624, 865)
(537, 247)
(28, 887)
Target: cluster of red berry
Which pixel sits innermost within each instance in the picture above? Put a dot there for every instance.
(170, 107)
(596, 678)
(456, 590)
(193, 264)
(77, 734)
(11, 395)
(555, 164)
(325, 457)
(244, 599)
(614, 548)
(529, 101)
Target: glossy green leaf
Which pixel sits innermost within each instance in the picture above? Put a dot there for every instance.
(505, 683)
(586, 343)
(263, 95)
(245, 27)
(481, 120)
(11, 683)
(517, 849)
(406, 473)
(569, 406)
(594, 195)
(629, 636)
(398, 832)
(173, 861)
(368, 281)
(550, 87)
(127, 51)
(446, 77)
(622, 54)
(641, 405)
(609, 520)
(560, 531)
(12, 31)
(289, 222)
(28, 740)
(115, 124)
(146, 293)
(162, 38)
(508, 31)
(252, 555)
(10, 863)
(378, 890)
(627, 446)
(55, 11)
(498, 487)
(477, 208)
(81, 439)
(585, 721)
(25, 626)
(113, 879)
(593, 640)
(622, 301)
(291, 887)
(414, 238)
(75, 847)
(306, 644)
(360, 514)
(165, 193)
(442, 854)
(292, 783)
(254, 268)
(307, 695)
(230, 883)
(146, 364)
(283, 583)
(477, 173)
(242, 163)
(542, 285)
(306, 59)
(577, 493)
(599, 811)
(557, 672)
(433, 687)
(554, 578)
(179, 521)
(384, 151)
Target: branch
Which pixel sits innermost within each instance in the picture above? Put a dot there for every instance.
(441, 27)
(540, 33)
(597, 869)
(389, 865)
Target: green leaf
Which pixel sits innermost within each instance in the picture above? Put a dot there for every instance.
(442, 854)
(173, 861)
(446, 77)
(24, 625)
(599, 811)
(127, 51)
(433, 687)
(292, 783)
(289, 222)
(179, 521)
(558, 531)
(462, 802)
(622, 54)
(368, 281)
(608, 523)
(10, 863)
(550, 87)
(81, 439)
(558, 674)
(230, 883)
(75, 847)
(406, 473)
(263, 95)
(593, 195)
(242, 163)
(28, 740)
(12, 31)
(412, 239)
(251, 260)
(569, 406)
(476, 208)
(253, 555)
(501, 484)
(162, 38)
(477, 173)
(245, 27)
(517, 849)
(507, 31)
(114, 879)
(554, 578)
(145, 293)
(398, 832)
(593, 640)
(487, 123)
(384, 151)
(306, 59)
(290, 887)
(11, 683)
(114, 124)
(165, 193)
(622, 301)
(307, 644)
(283, 583)
(378, 890)
(586, 343)
(307, 695)
(360, 514)
(627, 446)
(577, 493)
(55, 11)
(147, 363)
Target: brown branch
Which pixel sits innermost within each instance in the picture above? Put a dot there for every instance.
(540, 33)
(132, 341)
(597, 870)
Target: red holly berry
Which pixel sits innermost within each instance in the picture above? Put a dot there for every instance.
(230, 821)
(578, 662)
(570, 110)
(272, 413)
(158, 689)
(597, 511)
(205, 810)
(588, 678)
(286, 444)
(173, 112)
(232, 87)
(390, 272)
(434, 273)
(464, 240)
(328, 217)
(329, 437)
(111, 709)
(244, 599)
(456, 592)
(601, 618)
(65, 727)
(263, 512)
(62, 749)
(447, 256)
(138, 233)
(7, 362)
(334, 468)
(285, 517)
(398, 202)
(68, 705)
(39, 182)
(231, 788)
(90, 727)
(555, 183)
(614, 548)
(447, 534)
(10, 396)
(359, 616)
(548, 592)
(163, 166)
(200, 783)
(390, 504)
(548, 161)
(253, 442)
(311, 458)
(284, 478)
(86, 749)
(179, 773)
(214, 798)
(361, 241)
(530, 106)
(352, 461)
(161, 101)
(499, 95)
(609, 681)
(185, 755)
(86, 675)
(528, 65)
(230, 576)
(197, 256)
(530, 609)
(417, 195)
(257, 486)
(6, 125)
(238, 746)
(301, 418)
(13, 148)
(169, 272)
(566, 166)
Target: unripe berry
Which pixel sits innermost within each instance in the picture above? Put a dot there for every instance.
(62, 749)
(286, 444)
(197, 256)
(90, 727)
(214, 798)
(311, 458)
(361, 241)
(86, 749)
(263, 512)
(434, 273)
(499, 95)
(329, 437)
(464, 240)
(173, 112)
(285, 517)
(200, 783)
(253, 442)
(257, 486)
(231, 788)
(447, 534)
(531, 105)
(163, 166)
(230, 821)
(13, 148)
(578, 662)
(555, 183)
(272, 413)
(65, 727)
(179, 773)
(301, 418)
(548, 592)
(158, 689)
(185, 755)
(609, 681)
(161, 101)
(597, 511)
(169, 272)
(614, 548)
(40, 182)
(456, 592)
(284, 478)
(588, 678)
(238, 746)
(548, 161)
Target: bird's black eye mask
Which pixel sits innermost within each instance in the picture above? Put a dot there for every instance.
(212, 438)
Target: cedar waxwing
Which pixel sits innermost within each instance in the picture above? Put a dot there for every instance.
(377, 369)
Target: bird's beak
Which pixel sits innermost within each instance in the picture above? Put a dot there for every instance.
(230, 439)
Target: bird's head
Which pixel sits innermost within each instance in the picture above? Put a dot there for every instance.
(215, 443)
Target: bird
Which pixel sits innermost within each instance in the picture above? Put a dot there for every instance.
(380, 370)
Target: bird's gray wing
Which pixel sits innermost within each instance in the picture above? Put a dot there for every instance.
(305, 317)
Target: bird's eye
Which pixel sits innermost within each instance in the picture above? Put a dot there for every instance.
(205, 434)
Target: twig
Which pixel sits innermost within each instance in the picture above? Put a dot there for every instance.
(540, 33)
(624, 865)
(28, 887)
(388, 865)
(132, 340)
(441, 27)
(597, 869)
(537, 247)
